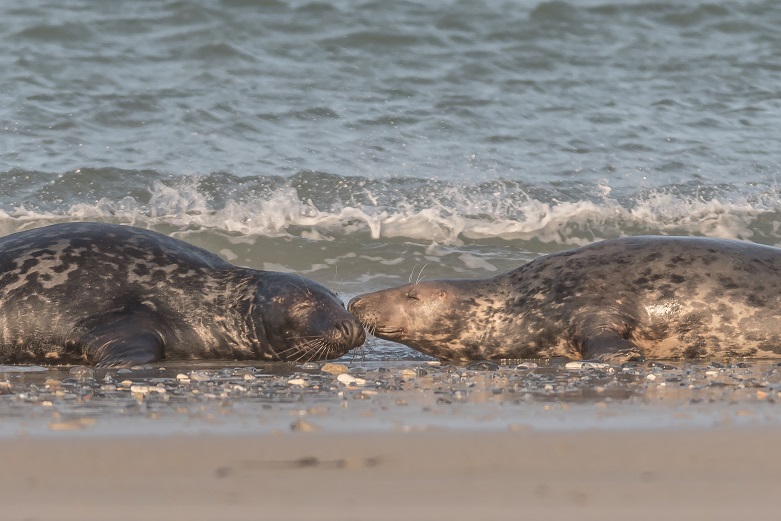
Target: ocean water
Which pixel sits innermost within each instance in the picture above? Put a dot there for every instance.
(365, 143)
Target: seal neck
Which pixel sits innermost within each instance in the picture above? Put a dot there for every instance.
(245, 333)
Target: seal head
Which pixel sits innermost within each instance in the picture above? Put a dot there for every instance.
(302, 320)
(439, 318)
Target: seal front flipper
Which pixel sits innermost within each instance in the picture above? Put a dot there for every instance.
(609, 346)
(124, 340)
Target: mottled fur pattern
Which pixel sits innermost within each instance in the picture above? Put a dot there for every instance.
(616, 300)
(118, 295)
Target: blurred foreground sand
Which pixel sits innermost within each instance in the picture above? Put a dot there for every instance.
(719, 473)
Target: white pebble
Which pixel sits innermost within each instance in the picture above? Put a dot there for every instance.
(347, 379)
(139, 389)
(651, 377)
(586, 365)
(200, 376)
(298, 381)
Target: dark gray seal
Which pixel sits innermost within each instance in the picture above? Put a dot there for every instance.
(120, 296)
(617, 300)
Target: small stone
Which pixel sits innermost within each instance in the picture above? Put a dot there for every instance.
(526, 365)
(81, 372)
(483, 366)
(711, 373)
(332, 368)
(298, 381)
(139, 389)
(651, 377)
(303, 426)
(347, 379)
(183, 378)
(585, 364)
(126, 383)
(310, 366)
(663, 367)
(124, 371)
(200, 376)
(413, 372)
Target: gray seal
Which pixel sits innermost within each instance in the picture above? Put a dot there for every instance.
(116, 295)
(615, 301)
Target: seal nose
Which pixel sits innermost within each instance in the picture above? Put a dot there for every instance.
(351, 305)
(353, 333)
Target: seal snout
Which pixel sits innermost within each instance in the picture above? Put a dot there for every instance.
(353, 302)
(352, 332)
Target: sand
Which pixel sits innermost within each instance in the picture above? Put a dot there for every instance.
(691, 474)
(684, 441)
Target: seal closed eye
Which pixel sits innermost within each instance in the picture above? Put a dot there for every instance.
(616, 300)
(120, 296)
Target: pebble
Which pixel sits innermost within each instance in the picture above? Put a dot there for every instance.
(413, 372)
(348, 379)
(331, 368)
(483, 366)
(310, 366)
(663, 367)
(304, 426)
(200, 376)
(298, 381)
(183, 378)
(81, 372)
(586, 364)
(139, 389)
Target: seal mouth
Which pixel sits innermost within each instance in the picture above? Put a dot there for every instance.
(388, 331)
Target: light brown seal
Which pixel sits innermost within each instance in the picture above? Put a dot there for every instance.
(616, 300)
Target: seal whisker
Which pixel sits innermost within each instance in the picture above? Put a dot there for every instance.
(411, 273)
(420, 274)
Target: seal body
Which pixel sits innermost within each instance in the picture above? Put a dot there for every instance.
(119, 296)
(616, 300)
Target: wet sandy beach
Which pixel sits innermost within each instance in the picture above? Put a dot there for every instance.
(390, 440)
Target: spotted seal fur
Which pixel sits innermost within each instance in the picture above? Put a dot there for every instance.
(616, 300)
(116, 295)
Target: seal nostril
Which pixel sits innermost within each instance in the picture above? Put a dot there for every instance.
(353, 302)
(352, 332)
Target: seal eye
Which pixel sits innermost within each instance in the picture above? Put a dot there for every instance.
(412, 297)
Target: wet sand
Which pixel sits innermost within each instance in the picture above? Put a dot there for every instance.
(392, 441)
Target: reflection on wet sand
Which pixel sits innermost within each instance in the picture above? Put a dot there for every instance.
(386, 396)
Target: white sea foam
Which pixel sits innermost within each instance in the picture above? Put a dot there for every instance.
(451, 220)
